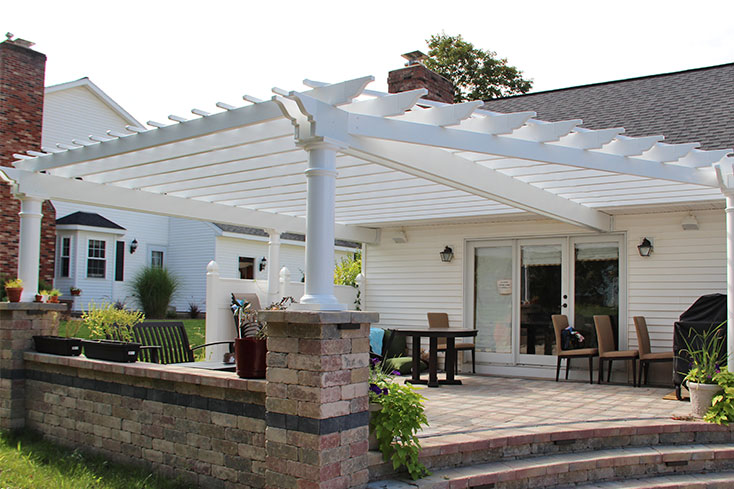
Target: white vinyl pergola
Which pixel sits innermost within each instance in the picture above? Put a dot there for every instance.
(337, 160)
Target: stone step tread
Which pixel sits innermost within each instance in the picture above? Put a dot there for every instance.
(486, 473)
(716, 480)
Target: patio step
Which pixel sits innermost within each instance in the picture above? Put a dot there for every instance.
(573, 469)
(723, 480)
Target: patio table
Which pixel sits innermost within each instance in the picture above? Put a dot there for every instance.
(209, 365)
(433, 334)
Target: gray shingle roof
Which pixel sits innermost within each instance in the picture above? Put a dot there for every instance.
(88, 219)
(687, 106)
(228, 228)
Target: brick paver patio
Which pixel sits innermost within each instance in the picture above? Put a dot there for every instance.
(498, 406)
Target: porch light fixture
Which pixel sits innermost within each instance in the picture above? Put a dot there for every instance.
(645, 247)
(263, 263)
(133, 246)
(447, 254)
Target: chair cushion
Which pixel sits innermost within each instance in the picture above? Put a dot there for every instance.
(581, 352)
(403, 365)
(619, 354)
(376, 337)
(665, 355)
(396, 342)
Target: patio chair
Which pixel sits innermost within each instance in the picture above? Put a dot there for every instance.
(560, 322)
(166, 342)
(608, 351)
(441, 320)
(646, 357)
(393, 353)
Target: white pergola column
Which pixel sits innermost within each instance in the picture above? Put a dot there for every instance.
(730, 276)
(321, 196)
(273, 265)
(29, 245)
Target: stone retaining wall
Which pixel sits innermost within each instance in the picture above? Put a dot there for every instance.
(205, 427)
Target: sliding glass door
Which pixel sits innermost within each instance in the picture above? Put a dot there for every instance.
(517, 285)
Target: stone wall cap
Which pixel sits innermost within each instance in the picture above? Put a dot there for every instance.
(32, 306)
(319, 317)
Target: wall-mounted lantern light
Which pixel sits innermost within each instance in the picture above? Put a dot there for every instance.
(645, 247)
(263, 263)
(447, 254)
(133, 246)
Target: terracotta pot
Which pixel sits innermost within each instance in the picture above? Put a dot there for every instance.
(14, 293)
(38, 298)
(701, 396)
(249, 354)
(53, 299)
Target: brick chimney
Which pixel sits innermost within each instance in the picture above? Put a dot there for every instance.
(22, 72)
(415, 75)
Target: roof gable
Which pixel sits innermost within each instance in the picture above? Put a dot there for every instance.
(91, 219)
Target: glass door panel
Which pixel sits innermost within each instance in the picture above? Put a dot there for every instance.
(493, 298)
(596, 287)
(541, 287)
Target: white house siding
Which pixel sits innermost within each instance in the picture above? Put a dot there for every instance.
(149, 230)
(93, 116)
(404, 281)
(190, 250)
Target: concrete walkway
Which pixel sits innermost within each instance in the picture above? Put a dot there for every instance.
(496, 406)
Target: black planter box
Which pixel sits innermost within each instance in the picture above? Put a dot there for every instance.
(58, 345)
(111, 350)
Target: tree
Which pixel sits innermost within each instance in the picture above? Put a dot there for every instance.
(476, 74)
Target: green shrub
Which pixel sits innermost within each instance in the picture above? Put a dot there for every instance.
(153, 288)
(346, 271)
(105, 321)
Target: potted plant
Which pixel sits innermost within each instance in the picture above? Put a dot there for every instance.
(396, 416)
(53, 296)
(707, 354)
(67, 345)
(14, 289)
(38, 297)
(113, 330)
(250, 344)
(75, 291)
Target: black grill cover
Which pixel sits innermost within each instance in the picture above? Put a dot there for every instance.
(705, 314)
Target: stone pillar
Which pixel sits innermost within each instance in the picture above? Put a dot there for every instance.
(320, 199)
(18, 323)
(316, 400)
(29, 248)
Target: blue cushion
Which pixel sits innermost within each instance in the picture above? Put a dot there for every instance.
(376, 335)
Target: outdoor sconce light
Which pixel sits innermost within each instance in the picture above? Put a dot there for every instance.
(263, 263)
(645, 248)
(447, 254)
(133, 246)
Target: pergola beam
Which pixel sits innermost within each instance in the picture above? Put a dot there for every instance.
(81, 192)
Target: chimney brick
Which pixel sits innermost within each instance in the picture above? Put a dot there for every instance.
(418, 76)
(22, 72)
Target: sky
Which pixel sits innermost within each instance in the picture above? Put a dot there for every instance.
(161, 57)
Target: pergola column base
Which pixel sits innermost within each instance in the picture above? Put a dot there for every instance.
(19, 322)
(317, 399)
(319, 303)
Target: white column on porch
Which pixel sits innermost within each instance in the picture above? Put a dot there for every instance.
(29, 246)
(273, 265)
(730, 275)
(321, 195)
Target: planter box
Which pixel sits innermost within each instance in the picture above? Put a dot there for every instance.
(58, 345)
(111, 350)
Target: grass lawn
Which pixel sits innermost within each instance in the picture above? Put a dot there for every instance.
(195, 329)
(27, 462)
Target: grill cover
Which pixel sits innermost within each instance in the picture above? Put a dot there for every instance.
(705, 314)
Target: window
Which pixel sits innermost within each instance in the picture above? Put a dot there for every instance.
(156, 259)
(96, 263)
(120, 261)
(247, 268)
(65, 257)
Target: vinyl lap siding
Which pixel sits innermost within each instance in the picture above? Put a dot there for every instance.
(97, 118)
(190, 249)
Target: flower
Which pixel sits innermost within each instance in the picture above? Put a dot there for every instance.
(395, 372)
